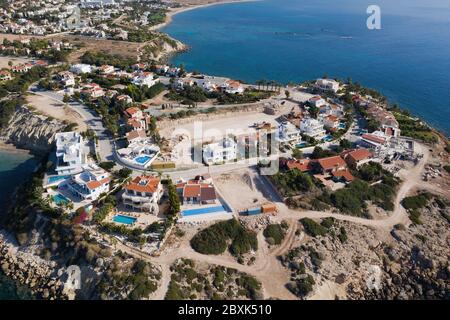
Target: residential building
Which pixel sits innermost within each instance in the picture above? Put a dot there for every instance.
(143, 193)
(197, 191)
(81, 68)
(136, 136)
(5, 75)
(287, 132)
(343, 176)
(327, 85)
(123, 98)
(232, 87)
(317, 101)
(106, 69)
(92, 90)
(220, 152)
(144, 79)
(66, 78)
(90, 183)
(373, 140)
(304, 165)
(331, 164)
(358, 157)
(312, 127)
(331, 122)
(70, 156)
(21, 68)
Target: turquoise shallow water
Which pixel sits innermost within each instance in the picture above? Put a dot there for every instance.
(14, 168)
(294, 40)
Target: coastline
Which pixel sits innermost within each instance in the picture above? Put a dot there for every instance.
(171, 13)
(10, 148)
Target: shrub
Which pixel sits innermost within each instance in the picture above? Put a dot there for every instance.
(416, 202)
(275, 232)
(214, 239)
(312, 228)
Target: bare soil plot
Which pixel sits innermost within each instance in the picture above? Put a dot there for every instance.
(56, 110)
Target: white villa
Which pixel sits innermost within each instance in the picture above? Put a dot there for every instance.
(143, 193)
(70, 155)
(220, 151)
(144, 79)
(139, 154)
(312, 127)
(81, 68)
(287, 133)
(317, 101)
(66, 78)
(232, 87)
(327, 85)
(90, 183)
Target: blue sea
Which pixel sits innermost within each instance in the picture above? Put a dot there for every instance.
(14, 168)
(408, 59)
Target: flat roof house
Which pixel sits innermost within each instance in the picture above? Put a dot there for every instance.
(90, 183)
(220, 152)
(70, 156)
(327, 85)
(312, 127)
(143, 193)
(317, 101)
(81, 68)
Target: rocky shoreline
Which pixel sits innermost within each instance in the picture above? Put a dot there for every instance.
(39, 275)
(31, 131)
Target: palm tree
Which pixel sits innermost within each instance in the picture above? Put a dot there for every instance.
(258, 83)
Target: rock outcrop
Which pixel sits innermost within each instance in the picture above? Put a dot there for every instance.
(31, 131)
(30, 270)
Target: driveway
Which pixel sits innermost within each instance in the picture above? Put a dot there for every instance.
(91, 118)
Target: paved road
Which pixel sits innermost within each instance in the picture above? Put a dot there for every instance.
(91, 118)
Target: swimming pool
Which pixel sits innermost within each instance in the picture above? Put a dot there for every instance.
(301, 145)
(124, 219)
(54, 179)
(143, 159)
(194, 212)
(59, 199)
(341, 126)
(327, 138)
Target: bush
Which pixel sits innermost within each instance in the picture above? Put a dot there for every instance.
(107, 165)
(214, 239)
(312, 228)
(416, 202)
(275, 232)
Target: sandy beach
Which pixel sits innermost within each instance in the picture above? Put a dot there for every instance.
(7, 147)
(189, 6)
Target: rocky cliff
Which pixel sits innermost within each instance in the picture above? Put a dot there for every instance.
(31, 131)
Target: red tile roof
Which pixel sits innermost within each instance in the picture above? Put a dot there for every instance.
(143, 184)
(302, 165)
(360, 154)
(343, 174)
(94, 184)
(331, 163)
(373, 138)
(191, 191)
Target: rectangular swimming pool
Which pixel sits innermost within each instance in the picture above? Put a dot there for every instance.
(59, 199)
(194, 212)
(143, 159)
(124, 219)
(54, 179)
